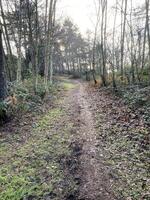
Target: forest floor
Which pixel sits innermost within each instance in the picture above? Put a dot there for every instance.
(77, 148)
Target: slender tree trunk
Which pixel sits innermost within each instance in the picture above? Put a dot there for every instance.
(94, 43)
(49, 41)
(123, 39)
(46, 62)
(103, 38)
(3, 90)
(7, 41)
(53, 18)
(114, 31)
(147, 23)
(148, 31)
(36, 47)
(19, 61)
(132, 45)
(138, 64)
(143, 51)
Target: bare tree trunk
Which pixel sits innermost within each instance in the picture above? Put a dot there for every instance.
(114, 31)
(7, 41)
(94, 43)
(49, 40)
(132, 45)
(148, 30)
(147, 23)
(53, 16)
(46, 64)
(36, 47)
(19, 61)
(123, 39)
(143, 52)
(16, 40)
(103, 39)
(3, 90)
(31, 41)
(138, 64)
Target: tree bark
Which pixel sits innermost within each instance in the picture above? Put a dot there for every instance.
(114, 31)
(3, 90)
(123, 40)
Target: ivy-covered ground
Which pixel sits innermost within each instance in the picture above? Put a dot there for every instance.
(123, 131)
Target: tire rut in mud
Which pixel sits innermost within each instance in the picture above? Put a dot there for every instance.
(73, 165)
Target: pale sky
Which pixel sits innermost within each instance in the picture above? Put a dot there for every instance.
(82, 12)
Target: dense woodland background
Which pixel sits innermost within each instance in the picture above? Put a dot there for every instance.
(36, 44)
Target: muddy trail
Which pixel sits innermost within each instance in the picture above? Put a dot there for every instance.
(92, 176)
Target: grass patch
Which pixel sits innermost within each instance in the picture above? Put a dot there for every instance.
(34, 169)
(68, 86)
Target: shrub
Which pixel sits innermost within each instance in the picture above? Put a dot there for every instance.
(4, 112)
(3, 109)
(76, 75)
(27, 99)
(137, 97)
(21, 92)
(41, 91)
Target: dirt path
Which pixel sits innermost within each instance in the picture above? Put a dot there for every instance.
(94, 182)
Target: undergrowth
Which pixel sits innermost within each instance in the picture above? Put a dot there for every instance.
(22, 98)
(138, 99)
(123, 131)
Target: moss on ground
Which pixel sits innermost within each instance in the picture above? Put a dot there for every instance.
(33, 170)
(68, 86)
